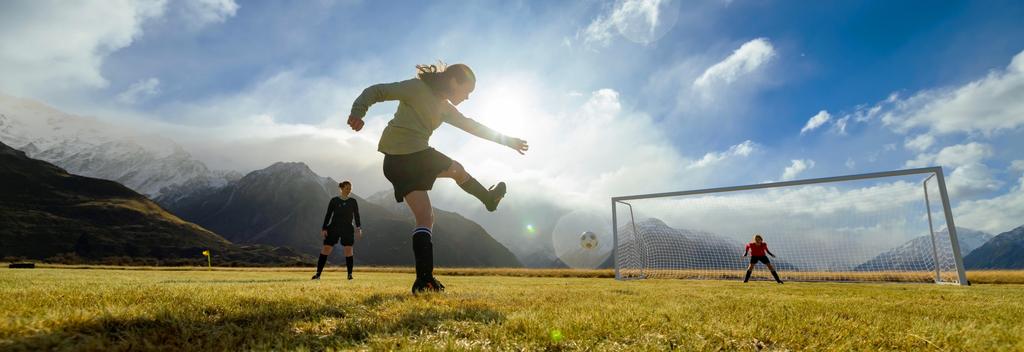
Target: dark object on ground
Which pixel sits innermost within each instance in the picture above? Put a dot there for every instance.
(22, 266)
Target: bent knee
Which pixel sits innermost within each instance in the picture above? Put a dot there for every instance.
(457, 171)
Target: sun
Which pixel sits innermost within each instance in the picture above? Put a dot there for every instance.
(508, 106)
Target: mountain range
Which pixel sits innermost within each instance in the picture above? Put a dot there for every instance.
(918, 252)
(284, 205)
(47, 212)
(1004, 251)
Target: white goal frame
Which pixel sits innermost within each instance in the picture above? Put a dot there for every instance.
(934, 171)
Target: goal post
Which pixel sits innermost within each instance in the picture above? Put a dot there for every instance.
(881, 226)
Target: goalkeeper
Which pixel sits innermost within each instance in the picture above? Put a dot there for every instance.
(757, 250)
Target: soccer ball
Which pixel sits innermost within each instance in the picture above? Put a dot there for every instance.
(588, 240)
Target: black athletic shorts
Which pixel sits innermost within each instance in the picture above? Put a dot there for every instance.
(414, 172)
(346, 235)
(760, 258)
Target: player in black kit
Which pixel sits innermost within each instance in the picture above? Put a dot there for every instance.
(341, 211)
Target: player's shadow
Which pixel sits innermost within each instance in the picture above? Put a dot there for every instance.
(257, 324)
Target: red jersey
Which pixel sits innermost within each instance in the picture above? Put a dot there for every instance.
(757, 250)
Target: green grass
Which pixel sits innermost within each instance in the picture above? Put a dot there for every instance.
(97, 309)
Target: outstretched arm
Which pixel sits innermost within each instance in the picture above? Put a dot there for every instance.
(769, 252)
(372, 95)
(746, 250)
(455, 118)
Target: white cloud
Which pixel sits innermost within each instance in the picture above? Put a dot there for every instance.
(970, 177)
(922, 160)
(200, 13)
(988, 105)
(140, 91)
(972, 180)
(55, 45)
(289, 96)
(953, 156)
(745, 60)
(816, 121)
(864, 113)
(640, 21)
(995, 215)
(1017, 165)
(850, 164)
(840, 125)
(796, 167)
(920, 143)
(711, 158)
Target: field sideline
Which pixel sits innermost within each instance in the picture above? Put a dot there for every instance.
(183, 308)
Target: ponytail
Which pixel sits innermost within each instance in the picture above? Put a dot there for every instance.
(437, 76)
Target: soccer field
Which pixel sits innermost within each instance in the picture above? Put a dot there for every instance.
(99, 309)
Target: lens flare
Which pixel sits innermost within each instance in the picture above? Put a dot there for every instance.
(556, 335)
(530, 228)
(582, 239)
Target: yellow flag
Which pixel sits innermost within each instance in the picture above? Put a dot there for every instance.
(206, 252)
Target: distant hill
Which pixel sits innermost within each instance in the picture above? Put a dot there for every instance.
(918, 253)
(47, 212)
(284, 205)
(1004, 251)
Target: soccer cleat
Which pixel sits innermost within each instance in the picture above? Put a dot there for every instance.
(419, 286)
(434, 285)
(350, 276)
(496, 192)
(316, 277)
(429, 284)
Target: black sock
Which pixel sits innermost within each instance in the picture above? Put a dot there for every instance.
(776, 275)
(423, 250)
(348, 263)
(320, 264)
(747, 278)
(472, 186)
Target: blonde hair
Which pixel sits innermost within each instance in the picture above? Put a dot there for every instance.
(437, 76)
(757, 237)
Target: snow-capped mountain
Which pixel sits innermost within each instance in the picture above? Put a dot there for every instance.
(919, 254)
(85, 146)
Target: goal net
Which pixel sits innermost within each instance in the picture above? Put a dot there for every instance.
(886, 226)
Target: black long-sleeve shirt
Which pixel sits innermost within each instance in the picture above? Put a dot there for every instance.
(340, 214)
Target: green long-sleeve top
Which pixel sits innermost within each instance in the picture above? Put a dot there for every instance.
(420, 112)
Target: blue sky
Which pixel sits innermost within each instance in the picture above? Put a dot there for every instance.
(717, 93)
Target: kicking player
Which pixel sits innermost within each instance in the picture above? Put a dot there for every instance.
(412, 165)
